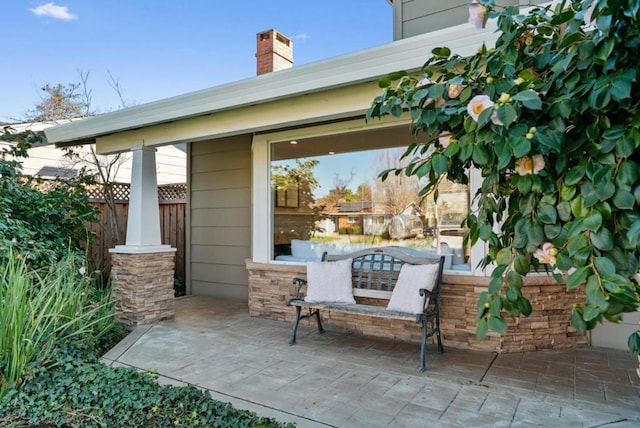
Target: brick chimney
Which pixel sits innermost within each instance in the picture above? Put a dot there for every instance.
(274, 52)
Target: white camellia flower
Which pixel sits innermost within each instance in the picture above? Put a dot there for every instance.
(495, 119)
(444, 139)
(455, 90)
(477, 15)
(546, 254)
(588, 14)
(527, 165)
(423, 82)
(478, 104)
(82, 270)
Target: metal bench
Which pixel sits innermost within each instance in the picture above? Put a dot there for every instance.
(374, 275)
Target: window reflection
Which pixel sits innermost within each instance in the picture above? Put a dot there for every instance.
(336, 203)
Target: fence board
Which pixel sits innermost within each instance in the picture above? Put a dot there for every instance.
(172, 209)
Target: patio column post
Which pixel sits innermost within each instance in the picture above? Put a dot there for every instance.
(143, 268)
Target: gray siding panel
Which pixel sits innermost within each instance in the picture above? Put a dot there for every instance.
(233, 236)
(223, 198)
(234, 160)
(222, 254)
(222, 290)
(423, 16)
(220, 274)
(220, 180)
(229, 217)
(220, 216)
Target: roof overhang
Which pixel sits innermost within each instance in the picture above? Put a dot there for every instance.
(354, 69)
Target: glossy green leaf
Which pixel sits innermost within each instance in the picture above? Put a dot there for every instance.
(521, 264)
(577, 277)
(498, 324)
(593, 221)
(624, 200)
(495, 285)
(529, 98)
(633, 342)
(604, 266)
(514, 279)
(521, 147)
(547, 213)
(577, 322)
(481, 329)
(552, 231)
(512, 294)
(591, 313)
(535, 235)
(595, 296)
(564, 211)
(577, 243)
(602, 239)
(504, 256)
(574, 175)
(480, 155)
(524, 306)
(564, 261)
(440, 164)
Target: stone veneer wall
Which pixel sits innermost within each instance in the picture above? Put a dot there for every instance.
(548, 327)
(143, 287)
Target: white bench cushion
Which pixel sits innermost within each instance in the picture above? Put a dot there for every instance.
(329, 282)
(406, 293)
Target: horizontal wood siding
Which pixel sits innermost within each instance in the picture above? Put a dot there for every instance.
(220, 210)
(423, 16)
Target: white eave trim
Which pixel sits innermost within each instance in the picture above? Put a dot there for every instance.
(358, 67)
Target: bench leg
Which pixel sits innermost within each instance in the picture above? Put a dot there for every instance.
(294, 330)
(440, 348)
(320, 328)
(423, 347)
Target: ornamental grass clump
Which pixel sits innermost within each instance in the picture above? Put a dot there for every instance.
(41, 309)
(550, 117)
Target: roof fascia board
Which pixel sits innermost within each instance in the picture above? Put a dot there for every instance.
(337, 104)
(362, 66)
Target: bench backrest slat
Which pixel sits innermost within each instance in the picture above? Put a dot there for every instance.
(375, 270)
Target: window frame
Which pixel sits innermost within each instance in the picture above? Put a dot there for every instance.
(262, 196)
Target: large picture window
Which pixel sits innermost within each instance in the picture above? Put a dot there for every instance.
(342, 206)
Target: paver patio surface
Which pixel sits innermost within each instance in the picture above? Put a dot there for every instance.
(346, 380)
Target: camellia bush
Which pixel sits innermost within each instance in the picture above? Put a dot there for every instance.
(550, 118)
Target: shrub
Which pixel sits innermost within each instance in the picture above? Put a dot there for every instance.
(38, 309)
(84, 393)
(42, 220)
(550, 118)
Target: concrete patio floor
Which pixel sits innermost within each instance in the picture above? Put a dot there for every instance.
(344, 380)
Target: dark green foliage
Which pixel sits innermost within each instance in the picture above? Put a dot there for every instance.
(40, 220)
(555, 138)
(78, 391)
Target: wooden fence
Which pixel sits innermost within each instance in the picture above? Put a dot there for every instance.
(172, 206)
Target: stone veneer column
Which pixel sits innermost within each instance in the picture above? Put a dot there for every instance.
(143, 286)
(143, 268)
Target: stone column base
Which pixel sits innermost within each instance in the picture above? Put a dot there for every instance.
(143, 286)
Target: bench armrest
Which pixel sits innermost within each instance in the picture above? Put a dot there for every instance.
(299, 282)
(425, 294)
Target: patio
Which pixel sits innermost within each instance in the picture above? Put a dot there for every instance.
(346, 380)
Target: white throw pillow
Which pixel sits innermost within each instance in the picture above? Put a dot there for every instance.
(406, 294)
(329, 282)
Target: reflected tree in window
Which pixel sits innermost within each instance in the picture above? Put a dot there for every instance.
(296, 211)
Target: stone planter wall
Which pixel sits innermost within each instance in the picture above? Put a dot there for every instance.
(548, 327)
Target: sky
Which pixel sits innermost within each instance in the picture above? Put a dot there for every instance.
(160, 48)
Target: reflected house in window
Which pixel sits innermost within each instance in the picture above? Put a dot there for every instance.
(349, 217)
